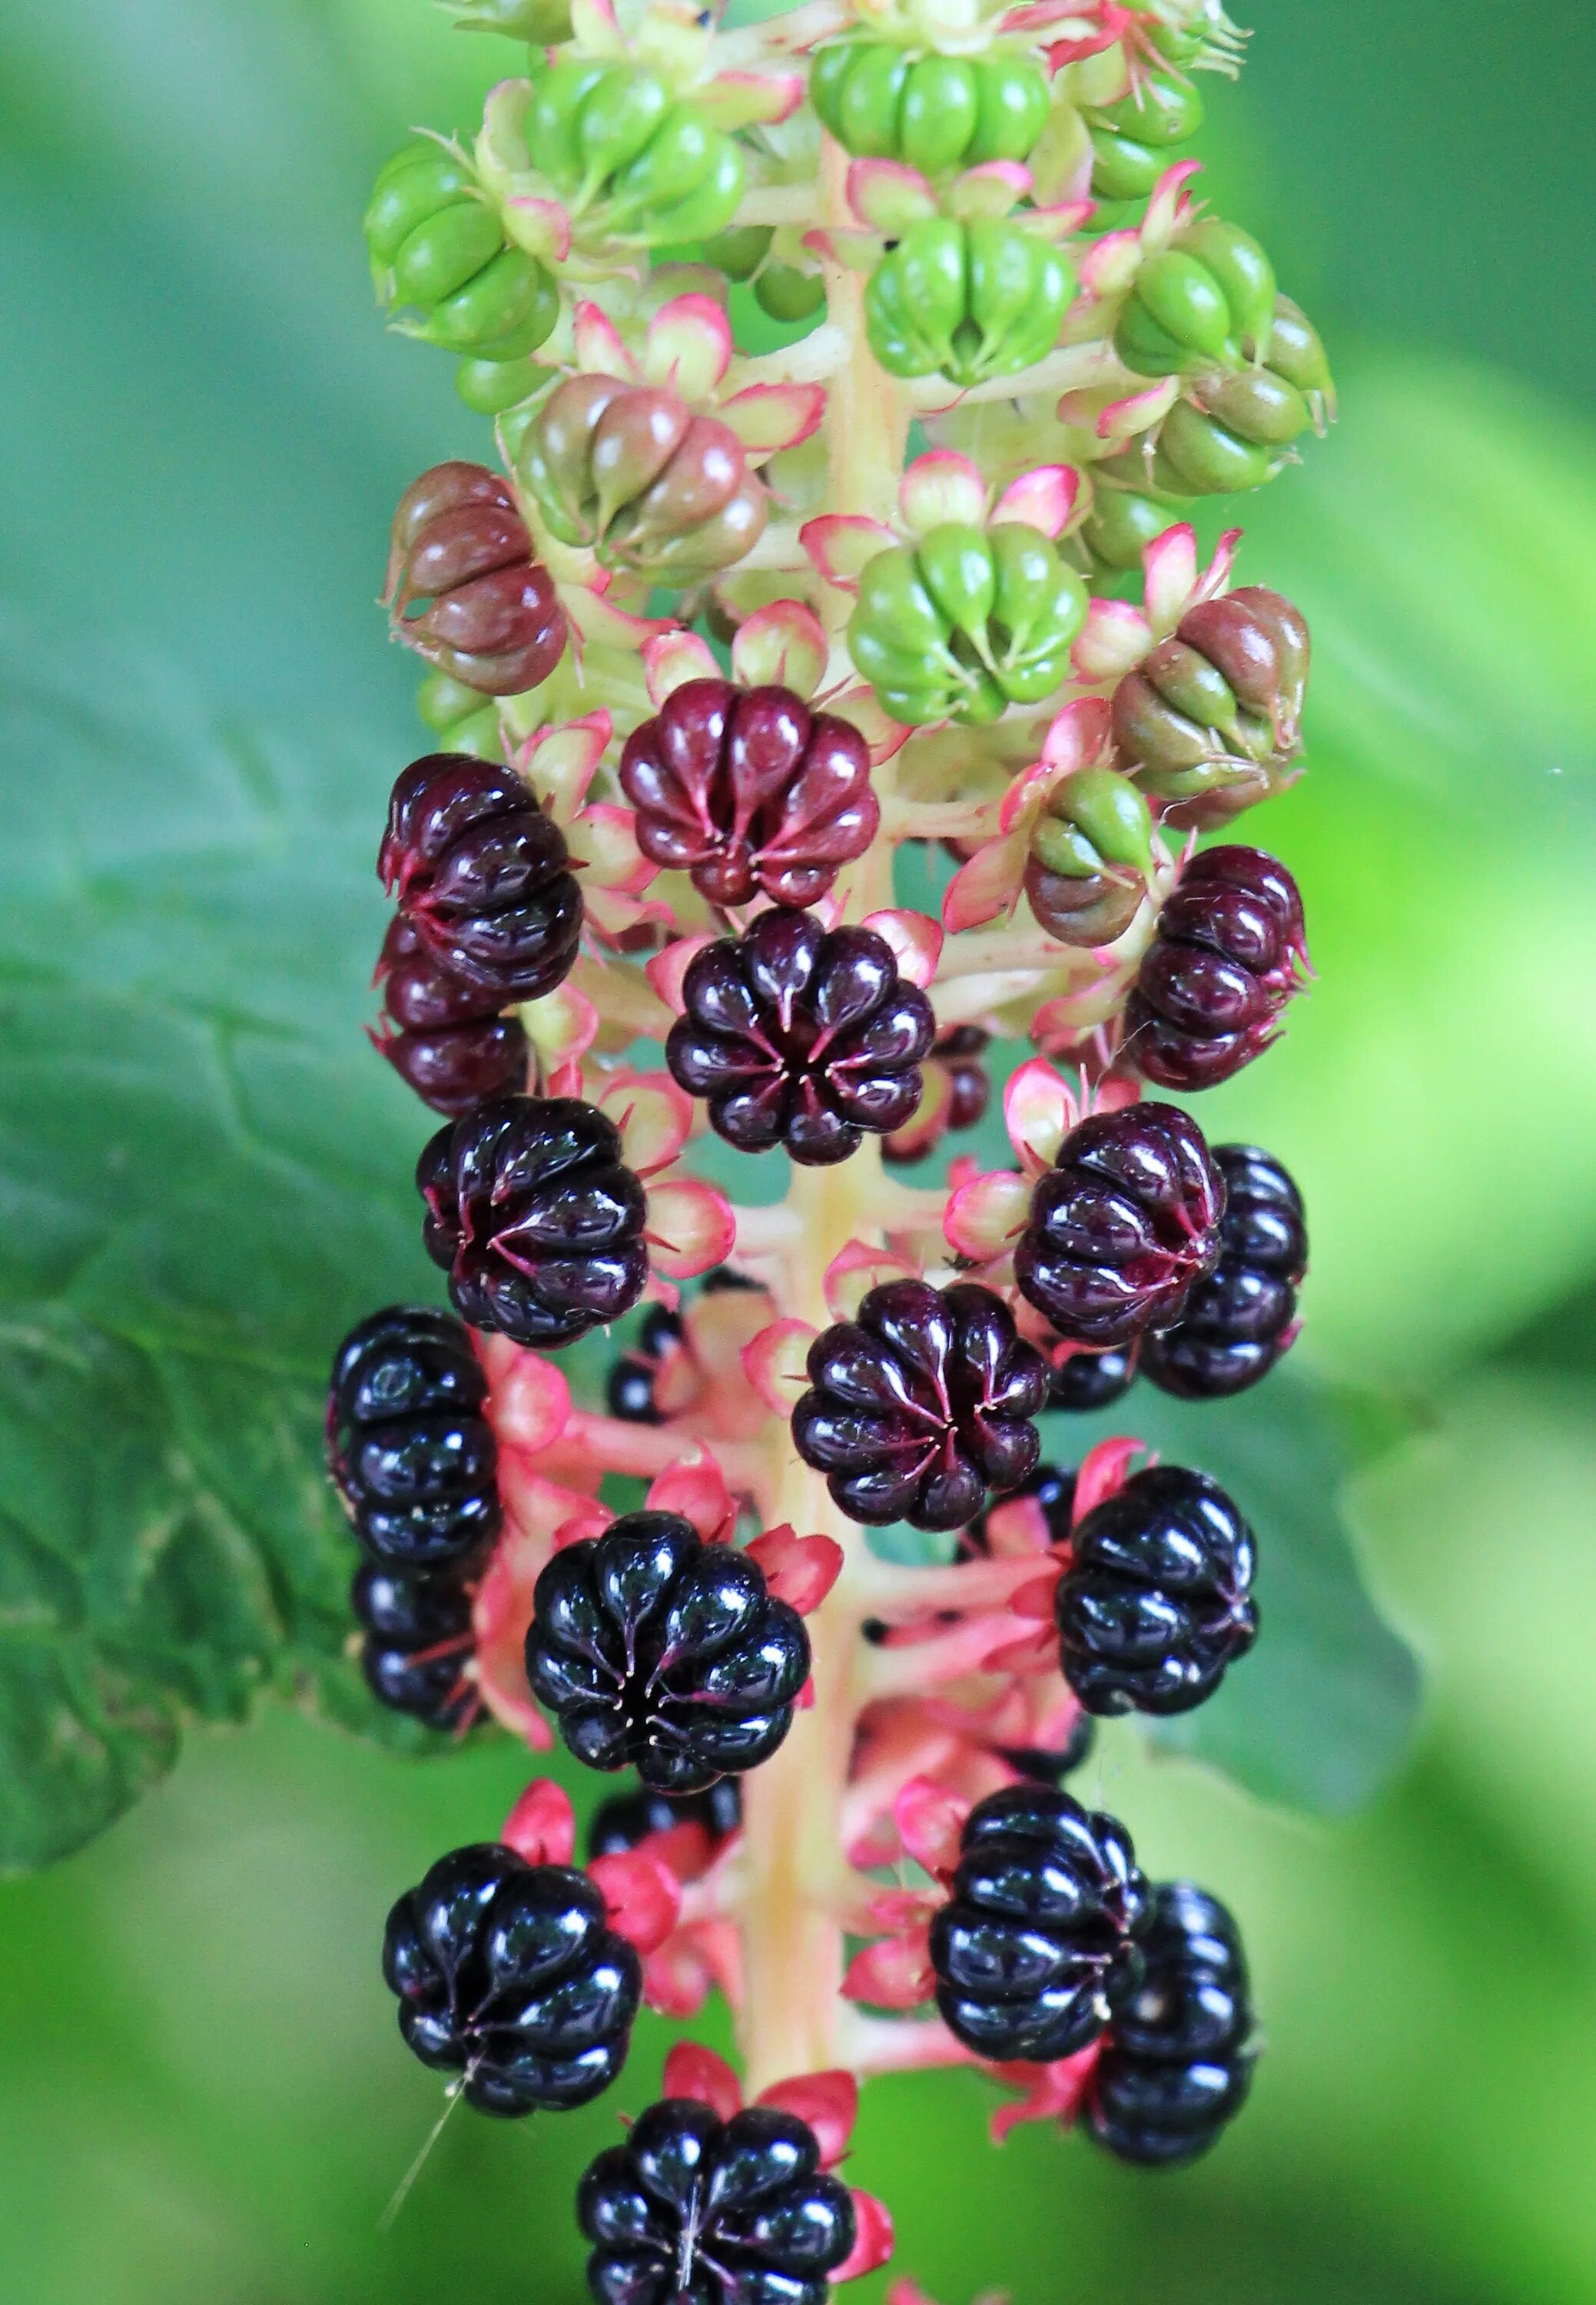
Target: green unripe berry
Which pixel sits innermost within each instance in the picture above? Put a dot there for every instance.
(614, 135)
(1120, 524)
(786, 293)
(934, 113)
(1207, 302)
(965, 623)
(489, 386)
(1198, 457)
(972, 299)
(739, 252)
(1296, 353)
(415, 186)
(1093, 819)
(1160, 110)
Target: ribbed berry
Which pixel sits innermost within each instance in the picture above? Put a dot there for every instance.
(1158, 1599)
(801, 1036)
(747, 791)
(692, 2210)
(921, 1405)
(463, 588)
(628, 1819)
(1177, 2064)
(1088, 1381)
(1045, 1767)
(1122, 1225)
(535, 1218)
(654, 1649)
(417, 1631)
(482, 875)
(1036, 1951)
(629, 1384)
(1224, 962)
(409, 1447)
(444, 1037)
(1238, 1322)
(507, 1971)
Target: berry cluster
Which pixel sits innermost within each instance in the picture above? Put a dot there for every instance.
(709, 648)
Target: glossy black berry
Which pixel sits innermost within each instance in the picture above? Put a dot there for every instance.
(692, 2210)
(628, 1819)
(801, 1036)
(409, 1447)
(482, 875)
(507, 1971)
(1238, 1322)
(535, 1218)
(922, 1405)
(1158, 1598)
(1088, 1381)
(1046, 1766)
(1224, 964)
(1177, 2064)
(1035, 1951)
(654, 1649)
(417, 1631)
(629, 1384)
(1122, 1225)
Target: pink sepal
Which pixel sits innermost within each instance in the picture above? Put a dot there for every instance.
(593, 620)
(1044, 498)
(590, 1521)
(990, 189)
(800, 1570)
(893, 1973)
(641, 1896)
(842, 545)
(1035, 1599)
(857, 1268)
(540, 227)
(1028, 1651)
(689, 346)
(697, 2073)
(1110, 265)
(1112, 643)
(666, 970)
(805, 1700)
(930, 1819)
(562, 1025)
(942, 486)
(1138, 412)
(888, 195)
(899, 1910)
(695, 1488)
(653, 1115)
(1169, 575)
(1077, 735)
(783, 646)
(916, 939)
(529, 1401)
(744, 100)
(541, 1827)
(560, 761)
(691, 1227)
(774, 1362)
(1169, 208)
(672, 657)
(597, 343)
(767, 418)
(988, 884)
(1016, 1526)
(1104, 1472)
(1039, 1110)
(874, 2237)
(986, 1215)
(884, 735)
(830, 2104)
(1051, 2092)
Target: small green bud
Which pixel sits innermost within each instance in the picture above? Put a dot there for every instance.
(786, 293)
(739, 252)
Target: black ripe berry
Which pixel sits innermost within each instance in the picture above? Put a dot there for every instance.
(409, 1449)
(1177, 2064)
(801, 1036)
(1221, 968)
(628, 1819)
(654, 1649)
(417, 1631)
(482, 875)
(535, 1218)
(507, 1971)
(441, 1035)
(1122, 1225)
(1036, 1950)
(1045, 1767)
(1088, 1381)
(1238, 1322)
(629, 1384)
(1158, 1598)
(692, 2210)
(1054, 1490)
(921, 1405)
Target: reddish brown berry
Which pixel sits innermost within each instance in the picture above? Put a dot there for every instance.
(463, 588)
(482, 875)
(1210, 721)
(1224, 962)
(745, 790)
(440, 1034)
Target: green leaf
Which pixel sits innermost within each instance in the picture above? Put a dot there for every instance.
(1320, 1712)
(204, 1179)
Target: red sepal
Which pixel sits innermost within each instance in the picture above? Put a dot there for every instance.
(800, 1570)
(541, 1827)
(641, 1896)
(697, 2073)
(874, 2240)
(830, 2104)
(1104, 1471)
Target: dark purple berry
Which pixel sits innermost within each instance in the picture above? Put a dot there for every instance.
(1157, 1601)
(409, 1447)
(1237, 1323)
(654, 1649)
(921, 1405)
(1036, 1951)
(692, 2210)
(417, 1639)
(507, 1971)
(748, 791)
(1224, 964)
(463, 588)
(482, 875)
(1088, 1381)
(1046, 1768)
(630, 1819)
(957, 1054)
(1177, 2064)
(725, 1278)
(442, 1036)
(801, 1036)
(535, 1218)
(1122, 1225)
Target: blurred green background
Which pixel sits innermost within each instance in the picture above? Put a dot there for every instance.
(203, 429)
